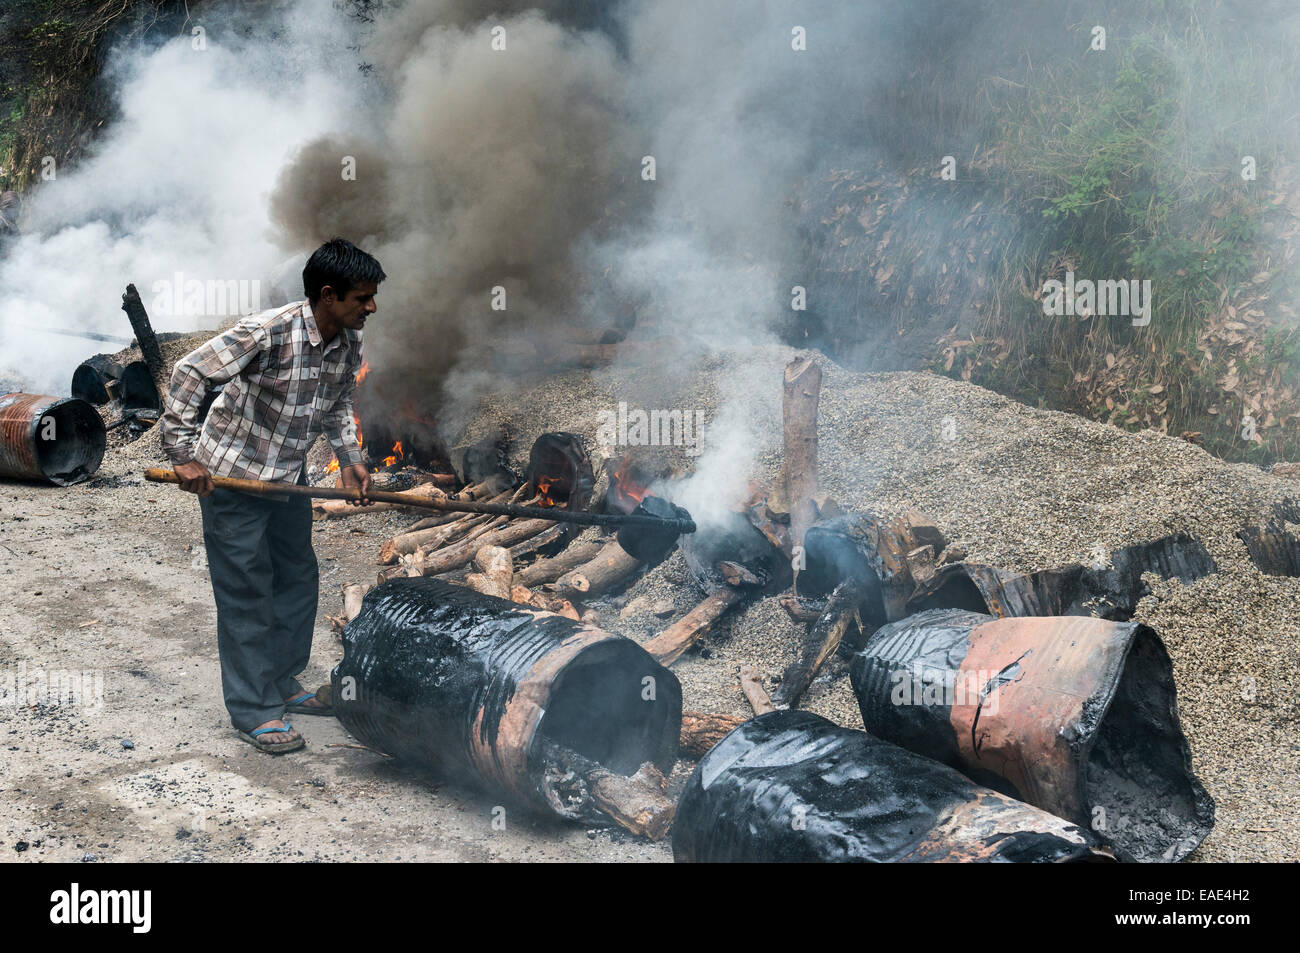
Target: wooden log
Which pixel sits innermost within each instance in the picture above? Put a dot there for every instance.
(537, 542)
(334, 509)
(494, 575)
(464, 534)
(822, 641)
(454, 557)
(796, 484)
(484, 489)
(549, 570)
(751, 683)
(611, 566)
(525, 596)
(667, 647)
(700, 732)
(148, 341)
(442, 518)
(798, 610)
(579, 787)
(431, 538)
(635, 803)
(353, 593)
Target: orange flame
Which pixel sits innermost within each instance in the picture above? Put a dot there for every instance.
(544, 485)
(626, 484)
(365, 369)
(396, 455)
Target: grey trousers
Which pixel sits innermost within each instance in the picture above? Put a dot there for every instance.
(265, 580)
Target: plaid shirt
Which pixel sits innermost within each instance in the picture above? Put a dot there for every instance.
(284, 386)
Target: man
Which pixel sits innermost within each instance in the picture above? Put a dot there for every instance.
(289, 375)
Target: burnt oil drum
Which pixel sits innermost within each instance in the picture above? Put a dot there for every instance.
(790, 786)
(1073, 714)
(474, 688)
(58, 439)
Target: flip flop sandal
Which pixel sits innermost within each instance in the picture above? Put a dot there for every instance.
(272, 747)
(296, 707)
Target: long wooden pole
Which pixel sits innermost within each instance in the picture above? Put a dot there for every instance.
(262, 488)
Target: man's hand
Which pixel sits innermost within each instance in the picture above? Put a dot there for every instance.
(356, 477)
(194, 478)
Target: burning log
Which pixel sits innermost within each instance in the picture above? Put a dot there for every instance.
(791, 786)
(494, 575)
(842, 610)
(427, 666)
(669, 645)
(796, 484)
(611, 566)
(334, 509)
(61, 440)
(751, 683)
(635, 802)
(1072, 714)
(701, 731)
(548, 570)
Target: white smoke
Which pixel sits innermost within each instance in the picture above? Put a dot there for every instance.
(179, 182)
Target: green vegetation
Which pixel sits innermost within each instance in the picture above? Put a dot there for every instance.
(1132, 164)
(51, 55)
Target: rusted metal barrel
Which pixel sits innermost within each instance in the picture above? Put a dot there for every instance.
(792, 786)
(59, 439)
(1075, 715)
(473, 687)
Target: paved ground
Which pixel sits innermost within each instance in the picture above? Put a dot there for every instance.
(105, 582)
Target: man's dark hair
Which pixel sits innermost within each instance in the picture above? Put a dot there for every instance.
(341, 265)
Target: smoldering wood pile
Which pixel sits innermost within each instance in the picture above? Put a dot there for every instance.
(847, 578)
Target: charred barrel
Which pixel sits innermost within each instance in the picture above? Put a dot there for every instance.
(59, 439)
(1075, 715)
(479, 688)
(792, 786)
(94, 377)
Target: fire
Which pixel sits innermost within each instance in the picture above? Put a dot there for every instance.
(544, 485)
(396, 455)
(334, 463)
(627, 484)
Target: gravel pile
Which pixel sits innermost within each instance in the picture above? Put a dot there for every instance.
(1019, 488)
